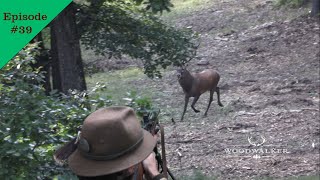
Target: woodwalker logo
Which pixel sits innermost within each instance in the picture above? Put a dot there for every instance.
(258, 149)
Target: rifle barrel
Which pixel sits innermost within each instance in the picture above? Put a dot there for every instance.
(164, 160)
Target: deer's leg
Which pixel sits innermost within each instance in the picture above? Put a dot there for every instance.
(186, 101)
(210, 100)
(218, 94)
(194, 102)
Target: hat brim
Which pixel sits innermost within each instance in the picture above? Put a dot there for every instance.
(86, 167)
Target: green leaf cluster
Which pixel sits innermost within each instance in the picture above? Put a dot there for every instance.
(158, 5)
(121, 27)
(141, 104)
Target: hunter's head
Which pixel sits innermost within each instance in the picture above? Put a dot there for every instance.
(111, 141)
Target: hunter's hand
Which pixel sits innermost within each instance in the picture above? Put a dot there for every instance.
(150, 165)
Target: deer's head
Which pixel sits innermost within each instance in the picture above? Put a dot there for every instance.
(182, 73)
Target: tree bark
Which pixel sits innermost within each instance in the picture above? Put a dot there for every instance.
(43, 62)
(67, 67)
(315, 7)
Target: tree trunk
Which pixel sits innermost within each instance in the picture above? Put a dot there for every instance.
(43, 61)
(315, 7)
(67, 67)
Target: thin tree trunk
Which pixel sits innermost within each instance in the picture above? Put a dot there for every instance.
(67, 67)
(315, 7)
(43, 61)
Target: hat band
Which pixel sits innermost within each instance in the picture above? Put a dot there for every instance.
(111, 156)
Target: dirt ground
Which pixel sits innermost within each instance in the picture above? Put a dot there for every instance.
(270, 88)
(268, 60)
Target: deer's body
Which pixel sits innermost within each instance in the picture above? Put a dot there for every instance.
(195, 84)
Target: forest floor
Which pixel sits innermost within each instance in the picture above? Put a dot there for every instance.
(268, 60)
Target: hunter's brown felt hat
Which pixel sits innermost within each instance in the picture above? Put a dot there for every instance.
(111, 140)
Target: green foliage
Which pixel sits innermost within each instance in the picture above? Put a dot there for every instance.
(66, 176)
(158, 6)
(90, 68)
(116, 28)
(140, 104)
(290, 3)
(154, 6)
(33, 124)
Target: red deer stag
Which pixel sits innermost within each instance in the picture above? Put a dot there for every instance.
(195, 84)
